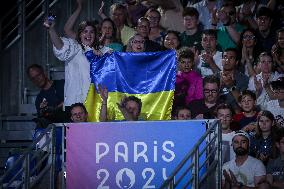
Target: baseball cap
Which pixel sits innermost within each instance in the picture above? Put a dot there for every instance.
(241, 133)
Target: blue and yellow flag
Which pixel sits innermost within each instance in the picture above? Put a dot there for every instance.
(149, 76)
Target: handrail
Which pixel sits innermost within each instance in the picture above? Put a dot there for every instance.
(28, 156)
(13, 25)
(193, 157)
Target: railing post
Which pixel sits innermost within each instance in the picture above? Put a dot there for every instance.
(27, 172)
(219, 156)
(52, 153)
(196, 168)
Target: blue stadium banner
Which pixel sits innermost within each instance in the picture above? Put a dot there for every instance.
(128, 155)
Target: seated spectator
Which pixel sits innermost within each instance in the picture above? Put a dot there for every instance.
(266, 75)
(277, 51)
(191, 37)
(243, 171)
(182, 113)
(232, 81)
(204, 108)
(136, 44)
(156, 31)
(265, 34)
(107, 36)
(49, 101)
(188, 82)
(276, 107)
(78, 113)
(171, 40)
(210, 59)
(263, 140)
(130, 106)
(249, 50)
(143, 28)
(228, 35)
(275, 167)
(224, 114)
(248, 116)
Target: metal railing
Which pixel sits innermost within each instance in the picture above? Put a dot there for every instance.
(20, 18)
(201, 164)
(34, 163)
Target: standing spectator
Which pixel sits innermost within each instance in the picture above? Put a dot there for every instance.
(108, 35)
(135, 10)
(136, 44)
(265, 35)
(77, 67)
(118, 14)
(243, 171)
(275, 167)
(191, 37)
(228, 35)
(210, 60)
(224, 113)
(78, 113)
(204, 108)
(143, 28)
(156, 31)
(262, 143)
(188, 82)
(232, 81)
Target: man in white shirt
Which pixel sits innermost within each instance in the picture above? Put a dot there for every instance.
(243, 171)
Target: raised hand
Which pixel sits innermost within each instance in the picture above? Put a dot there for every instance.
(103, 93)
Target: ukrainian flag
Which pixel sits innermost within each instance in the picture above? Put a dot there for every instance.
(149, 76)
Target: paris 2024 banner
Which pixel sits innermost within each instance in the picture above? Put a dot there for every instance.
(125, 155)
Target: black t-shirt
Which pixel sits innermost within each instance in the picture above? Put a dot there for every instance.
(54, 95)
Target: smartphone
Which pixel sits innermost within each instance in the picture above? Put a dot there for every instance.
(51, 17)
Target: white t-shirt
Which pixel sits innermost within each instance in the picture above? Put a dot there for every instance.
(245, 173)
(278, 112)
(263, 98)
(206, 71)
(227, 148)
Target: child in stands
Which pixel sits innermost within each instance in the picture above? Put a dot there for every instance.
(247, 118)
(182, 113)
(263, 140)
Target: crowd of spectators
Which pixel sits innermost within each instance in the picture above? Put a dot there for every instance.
(230, 66)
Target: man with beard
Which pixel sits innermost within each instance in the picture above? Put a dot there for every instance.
(204, 108)
(243, 171)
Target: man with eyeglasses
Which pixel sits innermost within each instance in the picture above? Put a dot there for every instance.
(143, 28)
(204, 108)
(264, 34)
(228, 35)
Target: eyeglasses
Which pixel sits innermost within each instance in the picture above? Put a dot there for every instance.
(137, 41)
(213, 91)
(248, 37)
(153, 17)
